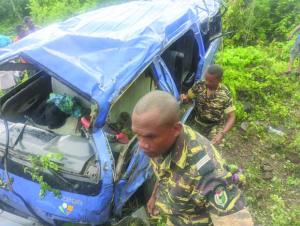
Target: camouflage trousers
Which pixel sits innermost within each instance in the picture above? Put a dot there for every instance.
(198, 217)
(182, 220)
(209, 130)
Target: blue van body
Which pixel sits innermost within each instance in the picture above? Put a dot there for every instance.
(98, 55)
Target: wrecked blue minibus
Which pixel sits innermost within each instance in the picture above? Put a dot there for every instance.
(106, 60)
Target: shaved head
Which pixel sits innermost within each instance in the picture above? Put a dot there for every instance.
(155, 121)
(166, 104)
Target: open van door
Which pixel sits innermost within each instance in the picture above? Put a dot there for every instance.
(164, 78)
(167, 83)
(209, 57)
(133, 167)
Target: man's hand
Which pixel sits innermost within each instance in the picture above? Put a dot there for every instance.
(217, 139)
(151, 207)
(183, 99)
(291, 36)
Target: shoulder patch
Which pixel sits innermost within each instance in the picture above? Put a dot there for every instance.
(221, 197)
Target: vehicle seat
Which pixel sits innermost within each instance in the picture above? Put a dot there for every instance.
(58, 87)
(186, 46)
(71, 125)
(175, 63)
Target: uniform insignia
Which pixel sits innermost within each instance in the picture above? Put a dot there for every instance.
(193, 144)
(202, 162)
(221, 197)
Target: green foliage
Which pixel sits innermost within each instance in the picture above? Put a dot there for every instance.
(159, 220)
(9, 18)
(281, 214)
(162, 221)
(293, 181)
(46, 12)
(253, 76)
(291, 166)
(261, 21)
(39, 163)
(295, 144)
(7, 12)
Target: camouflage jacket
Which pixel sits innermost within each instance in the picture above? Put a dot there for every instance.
(193, 182)
(213, 108)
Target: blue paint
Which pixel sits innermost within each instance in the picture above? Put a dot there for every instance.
(139, 170)
(98, 54)
(208, 59)
(83, 48)
(164, 77)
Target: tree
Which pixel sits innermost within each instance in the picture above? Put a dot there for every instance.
(16, 11)
(263, 20)
(12, 13)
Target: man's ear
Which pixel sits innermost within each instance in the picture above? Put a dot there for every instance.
(177, 128)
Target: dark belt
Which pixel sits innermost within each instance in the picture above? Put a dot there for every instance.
(208, 121)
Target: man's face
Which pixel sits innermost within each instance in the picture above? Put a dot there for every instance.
(30, 23)
(22, 33)
(154, 137)
(212, 81)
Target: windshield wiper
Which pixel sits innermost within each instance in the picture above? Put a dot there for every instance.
(20, 134)
(62, 178)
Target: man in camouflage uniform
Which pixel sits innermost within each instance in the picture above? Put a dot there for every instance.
(213, 102)
(191, 182)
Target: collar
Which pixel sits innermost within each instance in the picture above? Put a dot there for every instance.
(219, 87)
(178, 153)
(214, 92)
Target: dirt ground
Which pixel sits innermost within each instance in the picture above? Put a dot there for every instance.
(271, 168)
